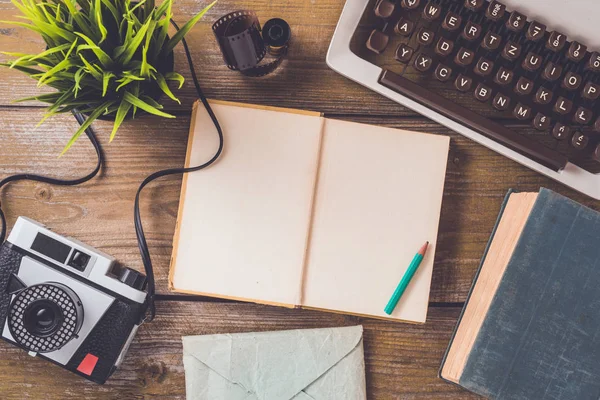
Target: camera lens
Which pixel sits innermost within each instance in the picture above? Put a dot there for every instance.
(42, 318)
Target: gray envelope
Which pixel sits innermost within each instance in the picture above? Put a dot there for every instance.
(306, 364)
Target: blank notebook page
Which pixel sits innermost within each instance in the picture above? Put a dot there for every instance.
(378, 199)
(244, 222)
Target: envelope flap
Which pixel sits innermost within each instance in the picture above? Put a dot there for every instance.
(274, 365)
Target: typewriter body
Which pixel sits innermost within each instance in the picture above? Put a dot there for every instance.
(521, 78)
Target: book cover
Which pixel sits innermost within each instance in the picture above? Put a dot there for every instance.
(539, 338)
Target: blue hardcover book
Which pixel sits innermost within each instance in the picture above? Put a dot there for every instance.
(531, 326)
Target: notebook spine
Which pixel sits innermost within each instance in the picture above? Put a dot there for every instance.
(502, 208)
(305, 261)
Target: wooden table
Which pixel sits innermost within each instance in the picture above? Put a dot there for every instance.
(402, 360)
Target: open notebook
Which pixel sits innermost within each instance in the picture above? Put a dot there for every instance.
(307, 211)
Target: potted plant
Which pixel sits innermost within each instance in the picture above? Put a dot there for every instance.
(109, 59)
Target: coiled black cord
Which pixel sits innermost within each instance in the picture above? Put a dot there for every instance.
(139, 230)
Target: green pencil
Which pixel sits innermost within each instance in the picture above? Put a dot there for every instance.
(412, 268)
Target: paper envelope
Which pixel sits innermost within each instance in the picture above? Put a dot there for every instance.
(307, 364)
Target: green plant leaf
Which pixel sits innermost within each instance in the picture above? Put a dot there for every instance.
(73, 46)
(35, 10)
(138, 4)
(122, 111)
(54, 30)
(145, 67)
(174, 76)
(77, 79)
(106, 77)
(95, 72)
(84, 4)
(152, 102)
(46, 98)
(162, 25)
(49, 18)
(145, 106)
(135, 91)
(164, 8)
(113, 10)
(133, 76)
(162, 84)
(27, 26)
(27, 70)
(58, 84)
(65, 97)
(104, 58)
(185, 29)
(68, 95)
(64, 64)
(131, 48)
(148, 8)
(27, 12)
(124, 82)
(13, 54)
(24, 60)
(96, 11)
(54, 16)
(82, 22)
(50, 51)
(93, 116)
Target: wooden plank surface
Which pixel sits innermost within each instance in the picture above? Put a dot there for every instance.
(402, 360)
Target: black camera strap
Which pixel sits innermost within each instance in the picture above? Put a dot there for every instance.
(141, 237)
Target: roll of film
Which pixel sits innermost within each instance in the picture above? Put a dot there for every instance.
(244, 44)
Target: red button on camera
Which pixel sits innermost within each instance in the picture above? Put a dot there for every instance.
(88, 364)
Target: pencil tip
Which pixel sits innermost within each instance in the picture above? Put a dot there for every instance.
(423, 249)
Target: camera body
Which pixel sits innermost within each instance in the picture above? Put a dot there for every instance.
(67, 302)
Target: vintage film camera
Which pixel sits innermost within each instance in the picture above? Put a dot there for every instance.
(66, 302)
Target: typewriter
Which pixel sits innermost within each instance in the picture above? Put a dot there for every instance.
(520, 77)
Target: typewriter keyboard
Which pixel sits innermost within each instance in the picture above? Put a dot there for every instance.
(508, 77)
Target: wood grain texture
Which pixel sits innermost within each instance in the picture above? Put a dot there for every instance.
(402, 360)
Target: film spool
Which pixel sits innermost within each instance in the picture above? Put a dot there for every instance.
(244, 44)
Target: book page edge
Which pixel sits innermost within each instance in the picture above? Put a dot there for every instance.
(234, 298)
(266, 108)
(379, 317)
(188, 155)
(311, 217)
(451, 371)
